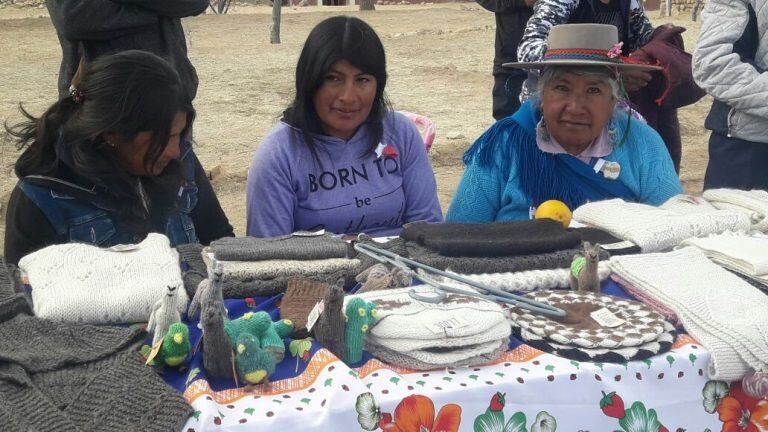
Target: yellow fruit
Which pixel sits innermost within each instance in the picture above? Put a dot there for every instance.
(554, 209)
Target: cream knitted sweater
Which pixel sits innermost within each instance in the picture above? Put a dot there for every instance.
(81, 283)
(727, 315)
(657, 229)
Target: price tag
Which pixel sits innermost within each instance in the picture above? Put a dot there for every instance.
(451, 323)
(618, 245)
(155, 349)
(606, 318)
(314, 314)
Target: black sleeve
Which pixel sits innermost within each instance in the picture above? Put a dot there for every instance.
(503, 6)
(26, 228)
(99, 19)
(210, 221)
(170, 8)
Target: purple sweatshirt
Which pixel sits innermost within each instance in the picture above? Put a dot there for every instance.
(351, 190)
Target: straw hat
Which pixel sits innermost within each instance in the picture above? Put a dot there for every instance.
(582, 45)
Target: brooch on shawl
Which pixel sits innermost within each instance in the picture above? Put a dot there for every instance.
(610, 169)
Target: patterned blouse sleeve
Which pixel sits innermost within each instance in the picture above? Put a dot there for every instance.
(546, 14)
(640, 28)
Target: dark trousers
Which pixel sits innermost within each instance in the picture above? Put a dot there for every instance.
(506, 92)
(737, 164)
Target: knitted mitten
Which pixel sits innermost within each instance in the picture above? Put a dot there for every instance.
(330, 330)
(360, 316)
(301, 296)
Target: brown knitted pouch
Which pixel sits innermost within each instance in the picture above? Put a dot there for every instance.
(299, 299)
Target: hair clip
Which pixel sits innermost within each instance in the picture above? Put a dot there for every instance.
(76, 95)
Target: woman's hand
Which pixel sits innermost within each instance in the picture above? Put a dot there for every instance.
(635, 80)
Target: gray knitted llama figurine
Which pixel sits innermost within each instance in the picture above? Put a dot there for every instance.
(209, 291)
(164, 313)
(583, 275)
(218, 357)
(330, 327)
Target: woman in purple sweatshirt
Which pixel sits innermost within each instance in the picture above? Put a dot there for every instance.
(340, 159)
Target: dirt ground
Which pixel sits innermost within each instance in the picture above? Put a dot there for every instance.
(439, 61)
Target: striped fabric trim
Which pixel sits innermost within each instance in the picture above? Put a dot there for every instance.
(580, 54)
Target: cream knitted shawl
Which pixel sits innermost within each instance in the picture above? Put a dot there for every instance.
(81, 283)
(727, 315)
(739, 252)
(657, 229)
(752, 203)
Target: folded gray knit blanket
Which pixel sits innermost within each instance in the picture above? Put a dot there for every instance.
(506, 264)
(491, 239)
(242, 279)
(290, 247)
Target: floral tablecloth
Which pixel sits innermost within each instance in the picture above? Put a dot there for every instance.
(525, 390)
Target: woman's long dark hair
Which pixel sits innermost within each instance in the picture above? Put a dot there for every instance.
(125, 93)
(333, 40)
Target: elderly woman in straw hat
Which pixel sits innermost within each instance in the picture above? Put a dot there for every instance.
(569, 142)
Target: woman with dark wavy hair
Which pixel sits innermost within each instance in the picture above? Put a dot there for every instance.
(112, 162)
(340, 159)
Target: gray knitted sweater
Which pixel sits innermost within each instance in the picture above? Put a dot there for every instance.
(65, 377)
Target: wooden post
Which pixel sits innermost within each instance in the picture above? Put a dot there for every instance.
(274, 33)
(367, 5)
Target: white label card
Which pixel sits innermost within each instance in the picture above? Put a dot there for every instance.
(314, 314)
(451, 323)
(606, 318)
(619, 245)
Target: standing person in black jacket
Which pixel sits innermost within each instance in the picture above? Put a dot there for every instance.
(511, 17)
(88, 29)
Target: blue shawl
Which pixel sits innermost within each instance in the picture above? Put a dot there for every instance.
(543, 176)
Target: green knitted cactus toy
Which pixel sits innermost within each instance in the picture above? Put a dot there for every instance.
(284, 327)
(360, 316)
(260, 325)
(252, 323)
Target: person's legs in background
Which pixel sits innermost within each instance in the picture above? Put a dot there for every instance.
(506, 92)
(735, 163)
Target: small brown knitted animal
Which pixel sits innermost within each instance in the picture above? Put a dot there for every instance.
(583, 275)
(330, 327)
(379, 277)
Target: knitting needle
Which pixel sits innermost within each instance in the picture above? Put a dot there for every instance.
(386, 256)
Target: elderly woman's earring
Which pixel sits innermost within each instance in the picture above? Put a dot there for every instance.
(613, 132)
(544, 132)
